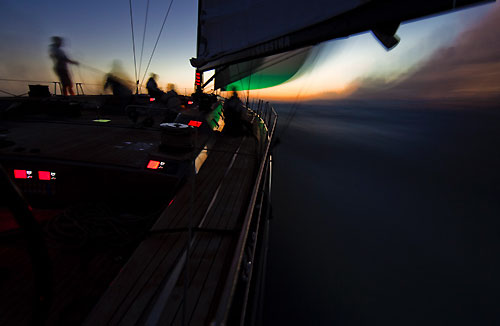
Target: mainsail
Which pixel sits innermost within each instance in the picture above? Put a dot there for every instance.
(232, 32)
(262, 72)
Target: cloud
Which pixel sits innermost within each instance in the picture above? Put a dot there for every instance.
(468, 72)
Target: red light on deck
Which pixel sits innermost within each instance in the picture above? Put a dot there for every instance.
(44, 175)
(190, 102)
(151, 99)
(20, 174)
(194, 123)
(153, 164)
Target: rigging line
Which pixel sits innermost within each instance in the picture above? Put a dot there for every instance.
(9, 93)
(26, 80)
(241, 79)
(249, 84)
(133, 39)
(249, 81)
(82, 81)
(269, 64)
(169, 283)
(157, 39)
(80, 74)
(279, 60)
(144, 36)
(97, 71)
(87, 84)
(295, 105)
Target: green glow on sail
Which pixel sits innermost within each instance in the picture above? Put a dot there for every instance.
(259, 80)
(262, 72)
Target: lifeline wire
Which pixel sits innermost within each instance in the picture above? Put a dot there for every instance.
(295, 105)
(8, 93)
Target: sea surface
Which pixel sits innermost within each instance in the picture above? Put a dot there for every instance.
(385, 216)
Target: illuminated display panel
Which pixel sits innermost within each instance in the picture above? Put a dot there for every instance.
(194, 123)
(20, 174)
(44, 175)
(151, 99)
(27, 174)
(153, 165)
(190, 102)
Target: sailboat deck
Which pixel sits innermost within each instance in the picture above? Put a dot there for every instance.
(79, 275)
(82, 140)
(154, 283)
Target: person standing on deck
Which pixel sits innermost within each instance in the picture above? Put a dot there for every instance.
(171, 98)
(233, 110)
(152, 87)
(61, 64)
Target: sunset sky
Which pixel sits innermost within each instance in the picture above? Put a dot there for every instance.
(454, 56)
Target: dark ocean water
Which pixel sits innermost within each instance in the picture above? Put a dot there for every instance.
(385, 216)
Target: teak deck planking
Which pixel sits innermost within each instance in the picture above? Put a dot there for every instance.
(132, 295)
(156, 246)
(211, 251)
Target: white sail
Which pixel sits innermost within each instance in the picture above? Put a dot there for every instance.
(232, 31)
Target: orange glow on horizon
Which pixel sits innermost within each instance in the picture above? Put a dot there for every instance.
(284, 93)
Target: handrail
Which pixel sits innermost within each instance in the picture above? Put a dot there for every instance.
(231, 282)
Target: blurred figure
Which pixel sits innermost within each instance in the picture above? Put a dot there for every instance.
(121, 86)
(171, 87)
(61, 64)
(152, 87)
(205, 101)
(171, 98)
(172, 103)
(233, 114)
(118, 72)
(117, 86)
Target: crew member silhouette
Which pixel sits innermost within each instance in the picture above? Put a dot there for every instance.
(152, 87)
(61, 64)
(233, 110)
(117, 86)
(171, 98)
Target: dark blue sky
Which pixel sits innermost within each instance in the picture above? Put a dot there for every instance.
(98, 33)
